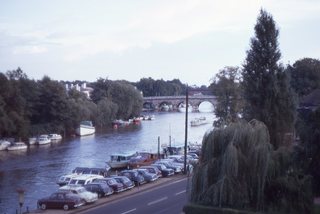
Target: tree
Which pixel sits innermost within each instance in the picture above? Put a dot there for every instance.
(267, 92)
(226, 86)
(305, 76)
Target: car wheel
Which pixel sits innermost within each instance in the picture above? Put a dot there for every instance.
(43, 206)
(66, 207)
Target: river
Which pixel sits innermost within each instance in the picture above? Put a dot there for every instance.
(37, 169)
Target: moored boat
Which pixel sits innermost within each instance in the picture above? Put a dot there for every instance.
(198, 121)
(17, 146)
(55, 137)
(4, 144)
(32, 140)
(85, 128)
(43, 139)
(142, 159)
(119, 160)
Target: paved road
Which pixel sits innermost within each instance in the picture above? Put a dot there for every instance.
(166, 198)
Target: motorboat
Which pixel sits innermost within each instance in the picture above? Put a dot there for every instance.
(55, 137)
(17, 146)
(85, 128)
(198, 121)
(43, 139)
(32, 140)
(4, 144)
(142, 159)
(120, 160)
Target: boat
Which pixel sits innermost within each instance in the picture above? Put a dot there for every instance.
(142, 159)
(198, 121)
(4, 144)
(55, 137)
(32, 140)
(43, 139)
(119, 160)
(85, 128)
(17, 146)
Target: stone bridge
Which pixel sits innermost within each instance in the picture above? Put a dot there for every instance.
(174, 102)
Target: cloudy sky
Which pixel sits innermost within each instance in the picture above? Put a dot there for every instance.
(130, 39)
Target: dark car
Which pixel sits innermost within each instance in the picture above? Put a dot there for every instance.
(58, 200)
(152, 169)
(127, 183)
(170, 165)
(148, 177)
(102, 189)
(117, 187)
(164, 170)
(134, 176)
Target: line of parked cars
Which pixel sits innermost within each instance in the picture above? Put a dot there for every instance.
(86, 185)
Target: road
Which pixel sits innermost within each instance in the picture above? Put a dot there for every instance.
(166, 198)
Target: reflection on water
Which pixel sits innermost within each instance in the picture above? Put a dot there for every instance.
(37, 169)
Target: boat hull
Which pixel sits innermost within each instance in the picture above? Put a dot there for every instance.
(85, 130)
(118, 164)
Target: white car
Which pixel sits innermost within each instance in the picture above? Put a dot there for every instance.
(64, 179)
(88, 197)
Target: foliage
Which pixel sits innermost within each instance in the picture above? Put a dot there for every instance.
(239, 169)
(29, 107)
(226, 86)
(308, 155)
(267, 92)
(123, 98)
(150, 87)
(305, 75)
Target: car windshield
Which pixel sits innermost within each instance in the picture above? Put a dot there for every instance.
(81, 182)
(80, 190)
(111, 181)
(73, 181)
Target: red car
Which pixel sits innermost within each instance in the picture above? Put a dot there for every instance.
(60, 200)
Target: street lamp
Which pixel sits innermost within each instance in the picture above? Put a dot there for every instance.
(20, 192)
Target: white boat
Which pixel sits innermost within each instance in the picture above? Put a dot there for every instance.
(55, 137)
(17, 146)
(198, 121)
(43, 139)
(32, 140)
(4, 144)
(120, 160)
(85, 128)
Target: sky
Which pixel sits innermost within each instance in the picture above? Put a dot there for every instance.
(190, 40)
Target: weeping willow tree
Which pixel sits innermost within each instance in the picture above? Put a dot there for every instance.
(238, 167)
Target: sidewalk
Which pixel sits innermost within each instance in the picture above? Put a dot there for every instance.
(102, 201)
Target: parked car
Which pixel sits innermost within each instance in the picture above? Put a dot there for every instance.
(102, 189)
(148, 177)
(152, 169)
(133, 176)
(169, 164)
(117, 187)
(58, 200)
(84, 179)
(127, 183)
(164, 170)
(90, 171)
(65, 179)
(88, 197)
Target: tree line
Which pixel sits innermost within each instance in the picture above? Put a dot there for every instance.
(263, 88)
(29, 107)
